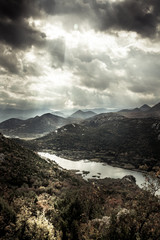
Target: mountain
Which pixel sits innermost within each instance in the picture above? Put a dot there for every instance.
(32, 126)
(110, 137)
(7, 113)
(144, 111)
(39, 200)
(82, 114)
(144, 108)
(155, 108)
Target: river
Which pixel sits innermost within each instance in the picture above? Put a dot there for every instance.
(94, 169)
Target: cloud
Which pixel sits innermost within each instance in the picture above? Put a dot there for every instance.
(9, 61)
(80, 97)
(94, 75)
(142, 70)
(14, 26)
(56, 48)
(58, 53)
(140, 16)
(48, 6)
(21, 63)
(20, 34)
(14, 9)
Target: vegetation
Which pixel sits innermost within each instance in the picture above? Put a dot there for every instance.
(42, 202)
(111, 138)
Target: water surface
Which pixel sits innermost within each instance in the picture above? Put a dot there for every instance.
(95, 169)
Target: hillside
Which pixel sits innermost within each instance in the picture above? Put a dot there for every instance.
(112, 138)
(144, 108)
(42, 202)
(31, 127)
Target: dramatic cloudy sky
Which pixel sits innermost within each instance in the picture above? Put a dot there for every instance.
(79, 53)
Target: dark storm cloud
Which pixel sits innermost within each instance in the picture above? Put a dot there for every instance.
(48, 6)
(17, 9)
(80, 7)
(98, 74)
(131, 15)
(14, 28)
(20, 34)
(140, 16)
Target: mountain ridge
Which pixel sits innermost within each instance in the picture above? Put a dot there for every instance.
(32, 126)
(82, 114)
(145, 111)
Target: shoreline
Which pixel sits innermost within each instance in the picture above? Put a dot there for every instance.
(79, 158)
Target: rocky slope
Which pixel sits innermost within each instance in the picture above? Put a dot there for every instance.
(112, 138)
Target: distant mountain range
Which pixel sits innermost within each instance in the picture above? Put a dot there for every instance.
(32, 126)
(144, 111)
(40, 125)
(7, 113)
(82, 115)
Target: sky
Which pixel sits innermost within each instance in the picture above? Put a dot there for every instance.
(58, 54)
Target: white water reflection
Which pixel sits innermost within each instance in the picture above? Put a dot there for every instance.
(95, 169)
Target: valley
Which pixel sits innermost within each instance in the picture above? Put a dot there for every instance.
(40, 200)
(99, 196)
(110, 138)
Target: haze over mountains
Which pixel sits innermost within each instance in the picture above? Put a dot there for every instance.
(41, 125)
(32, 126)
(144, 111)
(82, 115)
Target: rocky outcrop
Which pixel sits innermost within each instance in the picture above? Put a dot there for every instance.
(129, 178)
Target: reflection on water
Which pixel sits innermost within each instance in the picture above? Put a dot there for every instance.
(95, 169)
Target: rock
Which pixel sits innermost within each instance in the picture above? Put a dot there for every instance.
(129, 178)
